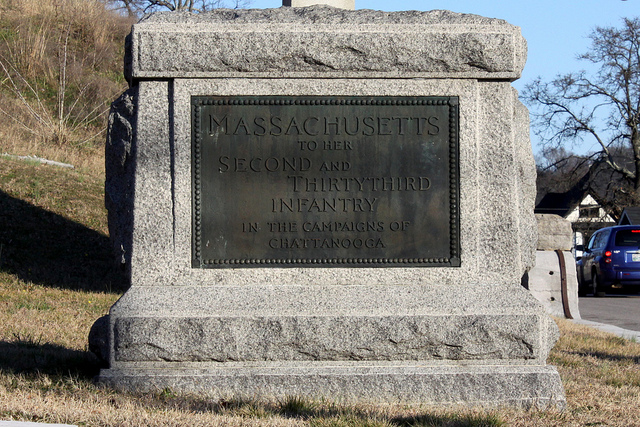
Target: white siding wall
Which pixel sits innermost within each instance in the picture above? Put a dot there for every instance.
(589, 202)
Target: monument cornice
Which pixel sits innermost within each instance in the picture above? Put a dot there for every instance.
(322, 41)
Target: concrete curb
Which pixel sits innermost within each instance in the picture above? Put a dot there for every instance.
(39, 160)
(624, 333)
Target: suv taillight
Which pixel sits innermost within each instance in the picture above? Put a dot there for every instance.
(607, 258)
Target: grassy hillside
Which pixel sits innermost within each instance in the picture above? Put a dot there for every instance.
(60, 68)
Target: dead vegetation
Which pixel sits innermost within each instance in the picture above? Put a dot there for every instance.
(60, 67)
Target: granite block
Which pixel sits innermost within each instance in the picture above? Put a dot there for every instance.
(120, 172)
(322, 338)
(344, 4)
(322, 41)
(496, 226)
(545, 283)
(554, 232)
(494, 386)
(262, 323)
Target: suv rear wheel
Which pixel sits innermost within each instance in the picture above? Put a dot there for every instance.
(582, 286)
(598, 288)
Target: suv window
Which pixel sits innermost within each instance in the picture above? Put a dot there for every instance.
(599, 240)
(628, 238)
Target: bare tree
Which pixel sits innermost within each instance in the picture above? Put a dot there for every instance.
(559, 170)
(130, 7)
(602, 106)
(141, 7)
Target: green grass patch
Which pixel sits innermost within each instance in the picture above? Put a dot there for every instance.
(7, 34)
(53, 227)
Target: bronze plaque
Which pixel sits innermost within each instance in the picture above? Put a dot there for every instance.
(325, 181)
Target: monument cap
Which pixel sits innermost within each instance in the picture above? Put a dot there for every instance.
(343, 4)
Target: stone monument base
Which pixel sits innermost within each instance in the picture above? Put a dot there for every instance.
(379, 343)
(486, 386)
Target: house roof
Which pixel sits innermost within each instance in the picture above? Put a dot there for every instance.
(630, 216)
(598, 182)
(560, 203)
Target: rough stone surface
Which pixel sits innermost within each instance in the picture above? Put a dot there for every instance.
(447, 335)
(301, 323)
(554, 232)
(526, 183)
(119, 171)
(496, 206)
(322, 41)
(487, 386)
(225, 339)
(544, 283)
(343, 4)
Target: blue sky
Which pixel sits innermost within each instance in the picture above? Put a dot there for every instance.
(556, 30)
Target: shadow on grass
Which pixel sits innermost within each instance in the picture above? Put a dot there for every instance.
(42, 247)
(315, 413)
(26, 355)
(608, 356)
(448, 421)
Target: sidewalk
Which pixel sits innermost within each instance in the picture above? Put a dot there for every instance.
(625, 333)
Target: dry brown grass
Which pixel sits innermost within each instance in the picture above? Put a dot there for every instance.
(71, 401)
(46, 372)
(600, 373)
(20, 142)
(60, 67)
(76, 194)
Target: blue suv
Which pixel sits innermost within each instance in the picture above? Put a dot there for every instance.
(612, 257)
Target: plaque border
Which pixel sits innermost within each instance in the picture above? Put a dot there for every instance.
(453, 260)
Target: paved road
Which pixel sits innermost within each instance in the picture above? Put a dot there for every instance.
(619, 310)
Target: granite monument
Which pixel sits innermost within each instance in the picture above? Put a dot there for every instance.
(323, 202)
